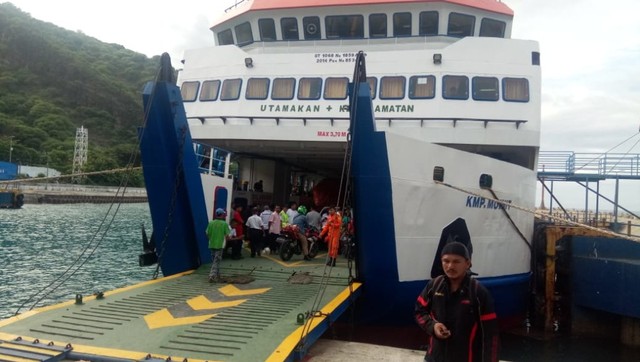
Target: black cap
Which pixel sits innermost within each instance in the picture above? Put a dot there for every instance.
(455, 248)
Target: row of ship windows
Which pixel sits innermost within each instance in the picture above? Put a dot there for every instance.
(353, 27)
(391, 87)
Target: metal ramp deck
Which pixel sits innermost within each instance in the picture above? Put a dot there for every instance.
(186, 317)
(19, 350)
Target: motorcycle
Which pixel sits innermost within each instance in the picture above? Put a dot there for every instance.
(289, 243)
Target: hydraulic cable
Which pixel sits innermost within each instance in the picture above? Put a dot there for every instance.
(343, 196)
(61, 279)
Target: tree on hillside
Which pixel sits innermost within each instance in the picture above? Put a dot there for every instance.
(53, 81)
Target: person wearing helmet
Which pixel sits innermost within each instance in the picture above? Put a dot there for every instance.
(300, 221)
(218, 233)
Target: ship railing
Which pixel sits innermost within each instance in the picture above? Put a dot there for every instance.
(434, 41)
(389, 120)
(211, 160)
(571, 163)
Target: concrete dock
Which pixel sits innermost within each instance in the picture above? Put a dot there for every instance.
(53, 193)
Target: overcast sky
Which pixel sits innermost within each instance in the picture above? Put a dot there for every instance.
(590, 59)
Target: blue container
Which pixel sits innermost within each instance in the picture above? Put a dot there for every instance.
(8, 171)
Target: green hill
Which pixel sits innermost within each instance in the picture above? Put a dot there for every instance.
(53, 80)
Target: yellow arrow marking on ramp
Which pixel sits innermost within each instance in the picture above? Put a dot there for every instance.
(163, 318)
(298, 263)
(232, 291)
(201, 302)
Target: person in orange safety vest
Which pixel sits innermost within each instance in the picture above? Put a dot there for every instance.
(332, 229)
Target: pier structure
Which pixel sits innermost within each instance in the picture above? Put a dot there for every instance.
(584, 280)
(36, 193)
(585, 169)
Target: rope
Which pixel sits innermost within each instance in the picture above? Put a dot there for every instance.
(61, 279)
(343, 195)
(506, 214)
(39, 179)
(621, 158)
(604, 153)
(542, 215)
(123, 185)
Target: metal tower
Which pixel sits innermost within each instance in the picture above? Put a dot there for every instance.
(80, 153)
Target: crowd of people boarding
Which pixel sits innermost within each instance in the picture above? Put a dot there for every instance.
(258, 228)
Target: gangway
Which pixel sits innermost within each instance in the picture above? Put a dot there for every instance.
(583, 168)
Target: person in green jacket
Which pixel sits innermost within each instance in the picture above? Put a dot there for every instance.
(218, 233)
(284, 217)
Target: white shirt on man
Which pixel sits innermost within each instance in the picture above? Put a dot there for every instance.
(254, 222)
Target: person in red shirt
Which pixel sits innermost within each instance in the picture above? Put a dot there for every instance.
(236, 251)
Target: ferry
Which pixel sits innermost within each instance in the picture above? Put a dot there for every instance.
(456, 100)
(421, 116)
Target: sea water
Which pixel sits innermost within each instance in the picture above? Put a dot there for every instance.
(51, 253)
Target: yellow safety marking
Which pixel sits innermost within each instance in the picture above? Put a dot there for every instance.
(13, 319)
(289, 344)
(33, 312)
(9, 358)
(105, 352)
(231, 291)
(163, 318)
(294, 263)
(202, 302)
(26, 348)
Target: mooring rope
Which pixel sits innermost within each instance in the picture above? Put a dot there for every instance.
(92, 173)
(542, 215)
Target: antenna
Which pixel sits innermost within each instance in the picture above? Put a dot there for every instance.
(80, 153)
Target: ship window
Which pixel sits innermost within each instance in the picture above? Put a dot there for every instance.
(392, 87)
(402, 24)
(289, 28)
(283, 88)
(515, 89)
(311, 25)
(428, 23)
(244, 35)
(189, 91)
(309, 88)
(344, 26)
(267, 29)
(225, 37)
(455, 87)
(230, 89)
(422, 87)
(461, 25)
(257, 88)
(485, 88)
(378, 26)
(336, 88)
(210, 89)
(492, 28)
(373, 84)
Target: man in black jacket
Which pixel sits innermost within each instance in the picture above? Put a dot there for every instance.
(457, 312)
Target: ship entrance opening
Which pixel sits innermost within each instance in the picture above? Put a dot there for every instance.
(268, 172)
